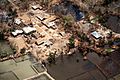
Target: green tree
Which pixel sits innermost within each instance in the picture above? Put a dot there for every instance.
(51, 58)
(45, 2)
(1, 35)
(68, 20)
(22, 51)
(24, 5)
(71, 42)
(4, 4)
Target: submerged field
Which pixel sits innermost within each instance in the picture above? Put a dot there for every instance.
(5, 49)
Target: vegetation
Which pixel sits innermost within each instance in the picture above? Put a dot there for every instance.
(11, 12)
(22, 51)
(71, 42)
(117, 40)
(82, 37)
(102, 20)
(1, 36)
(24, 5)
(51, 58)
(109, 50)
(106, 2)
(5, 49)
(68, 20)
(3, 54)
(4, 4)
(45, 2)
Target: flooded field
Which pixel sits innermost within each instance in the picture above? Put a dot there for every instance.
(18, 69)
(74, 68)
(5, 49)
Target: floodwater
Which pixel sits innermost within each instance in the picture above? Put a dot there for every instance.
(109, 65)
(5, 49)
(67, 7)
(18, 69)
(95, 68)
(74, 68)
(113, 23)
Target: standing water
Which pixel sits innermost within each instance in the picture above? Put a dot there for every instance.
(67, 7)
(5, 49)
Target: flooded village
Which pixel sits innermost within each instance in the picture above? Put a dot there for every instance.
(59, 40)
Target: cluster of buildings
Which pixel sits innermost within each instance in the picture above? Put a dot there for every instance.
(40, 34)
(98, 38)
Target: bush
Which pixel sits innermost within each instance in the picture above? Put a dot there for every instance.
(117, 40)
(68, 20)
(71, 42)
(3, 54)
(22, 51)
(1, 36)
